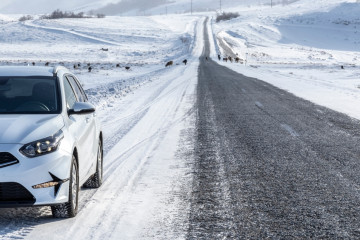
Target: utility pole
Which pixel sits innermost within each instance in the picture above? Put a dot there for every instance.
(191, 7)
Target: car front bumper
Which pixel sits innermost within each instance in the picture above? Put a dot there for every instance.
(34, 174)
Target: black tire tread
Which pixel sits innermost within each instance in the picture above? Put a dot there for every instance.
(66, 210)
(95, 180)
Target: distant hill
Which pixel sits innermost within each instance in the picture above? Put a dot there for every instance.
(131, 5)
(47, 6)
(124, 7)
(156, 7)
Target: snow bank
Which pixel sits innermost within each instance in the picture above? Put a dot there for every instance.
(8, 18)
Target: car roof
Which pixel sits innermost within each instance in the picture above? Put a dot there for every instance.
(26, 71)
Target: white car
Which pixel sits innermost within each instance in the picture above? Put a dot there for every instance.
(50, 139)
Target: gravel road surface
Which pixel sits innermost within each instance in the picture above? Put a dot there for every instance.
(269, 164)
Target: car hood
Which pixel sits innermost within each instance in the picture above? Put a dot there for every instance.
(22, 129)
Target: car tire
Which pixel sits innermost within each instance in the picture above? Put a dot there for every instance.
(96, 180)
(70, 208)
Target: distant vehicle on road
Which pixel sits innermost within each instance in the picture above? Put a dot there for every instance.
(50, 139)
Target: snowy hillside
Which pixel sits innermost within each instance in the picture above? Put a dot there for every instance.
(311, 49)
(160, 7)
(6, 18)
(126, 7)
(143, 43)
(46, 6)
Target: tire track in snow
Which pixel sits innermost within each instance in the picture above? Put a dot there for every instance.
(124, 124)
(130, 164)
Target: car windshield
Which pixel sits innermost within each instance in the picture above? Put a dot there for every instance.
(29, 95)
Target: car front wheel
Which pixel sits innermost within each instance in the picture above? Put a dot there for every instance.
(70, 208)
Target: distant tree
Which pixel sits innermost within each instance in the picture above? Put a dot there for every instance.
(100, 15)
(79, 15)
(226, 16)
(25, 18)
(57, 14)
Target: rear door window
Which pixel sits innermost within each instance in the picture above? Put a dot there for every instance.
(78, 90)
(69, 94)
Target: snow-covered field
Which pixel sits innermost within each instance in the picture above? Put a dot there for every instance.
(146, 113)
(300, 47)
(144, 44)
(140, 40)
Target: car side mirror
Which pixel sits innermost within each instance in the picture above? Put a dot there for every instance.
(81, 108)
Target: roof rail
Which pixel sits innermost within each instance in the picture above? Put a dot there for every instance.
(57, 69)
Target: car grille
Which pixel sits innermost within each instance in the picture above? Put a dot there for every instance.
(7, 159)
(14, 193)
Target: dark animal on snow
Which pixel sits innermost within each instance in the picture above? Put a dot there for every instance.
(75, 66)
(105, 49)
(127, 68)
(225, 59)
(79, 65)
(237, 59)
(206, 58)
(185, 61)
(47, 64)
(168, 64)
(118, 65)
(33, 63)
(230, 59)
(219, 57)
(89, 69)
(342, 67)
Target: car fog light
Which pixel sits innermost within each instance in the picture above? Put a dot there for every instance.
(56, 183)
(45, 185)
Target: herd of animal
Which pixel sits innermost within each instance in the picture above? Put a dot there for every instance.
(168, 64)
(231, 59)
(78, 66)
(225, 59)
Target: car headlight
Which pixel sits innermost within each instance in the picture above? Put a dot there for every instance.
(42, 146)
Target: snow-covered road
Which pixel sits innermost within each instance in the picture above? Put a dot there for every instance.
(147, 177)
